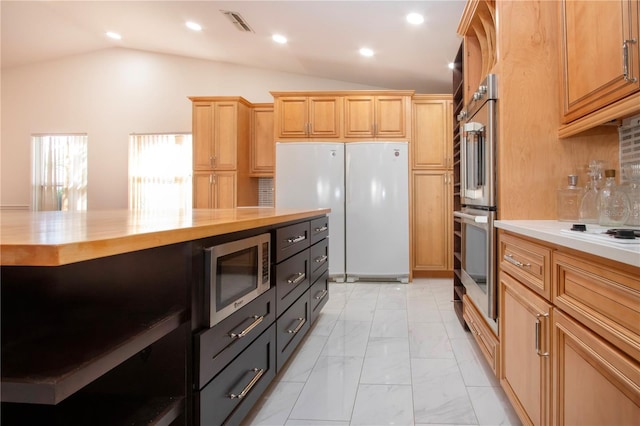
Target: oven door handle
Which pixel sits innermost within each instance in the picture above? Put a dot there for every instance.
(472, 218)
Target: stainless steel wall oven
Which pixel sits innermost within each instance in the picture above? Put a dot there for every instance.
(478, 200)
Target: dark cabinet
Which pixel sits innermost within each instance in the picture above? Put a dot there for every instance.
(292, 326)
(291, 280)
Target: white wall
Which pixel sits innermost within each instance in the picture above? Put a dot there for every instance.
(110, 94)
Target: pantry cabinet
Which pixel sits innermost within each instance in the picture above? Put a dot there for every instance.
(431, 136)
(214, 190)
(599, 67)
(380, 117)
(221, 153)
(303, 117)
(263, 147)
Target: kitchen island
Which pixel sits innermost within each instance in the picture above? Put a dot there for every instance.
(100, 310)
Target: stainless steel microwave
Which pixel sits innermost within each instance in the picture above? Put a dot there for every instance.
(236, 273)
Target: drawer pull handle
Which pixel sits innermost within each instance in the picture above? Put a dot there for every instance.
(297, 239)
(322, 295)
(538, 316)
(321, 229)
(259, 372)
(258, 320)
(298, 327)
(296, 279)
(509, 258)
(321, 259)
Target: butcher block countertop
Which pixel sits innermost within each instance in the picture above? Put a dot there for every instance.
(60, 238)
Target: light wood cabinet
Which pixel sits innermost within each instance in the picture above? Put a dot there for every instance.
(263, 146)
(593, 382)
(214, 190)
(302, 117)
(432, 220)
(431, 137)
(379, 117)
(525, 346)
(599, 67)
(483, 334)
(221, 153)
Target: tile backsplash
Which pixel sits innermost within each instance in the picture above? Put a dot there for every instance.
(265, 192)
(629, 136)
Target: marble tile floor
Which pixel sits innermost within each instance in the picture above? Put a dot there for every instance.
(386, 354)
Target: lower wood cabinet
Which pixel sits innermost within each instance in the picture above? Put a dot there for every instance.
(525, 347)
(594, 383)
(482, 333)
(214, 190)
(233, 392)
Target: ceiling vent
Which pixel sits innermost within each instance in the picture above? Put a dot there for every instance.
(238, 21)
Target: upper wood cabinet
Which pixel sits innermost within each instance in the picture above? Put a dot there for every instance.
(380, 117)
(221, 144)
(262, 144)
(599, 67)
(431, 137)
(302, 117)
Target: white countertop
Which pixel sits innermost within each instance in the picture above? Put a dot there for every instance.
(550, 231)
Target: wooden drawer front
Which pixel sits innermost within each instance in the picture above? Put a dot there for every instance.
(291, 239)
(593, 382)
(604, 299)
(319, 229)
(527, 261)
(292, 326)
(217, 346)
(215, 404)
(319, 295)
(292, 279)
(487, 340)
(319, 259)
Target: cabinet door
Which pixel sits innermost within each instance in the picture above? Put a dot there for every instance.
(203, 197)
(324, 117)
(525, 351)
(292, 117)
(202, 135)
(593, 382)
(432, 135)
(225, 135)
(595, 62)
(432, 221)
(214, 190)
(390, 119)
(262, 143)
(359, 116)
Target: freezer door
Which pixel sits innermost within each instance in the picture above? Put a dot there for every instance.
(310, 175)
(377, 210)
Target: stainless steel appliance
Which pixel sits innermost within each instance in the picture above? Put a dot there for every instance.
(236, 273)
(478, 200)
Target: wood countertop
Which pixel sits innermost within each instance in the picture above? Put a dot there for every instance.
(60, 238)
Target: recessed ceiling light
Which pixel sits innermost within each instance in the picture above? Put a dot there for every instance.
(451, 65)
(365, 51)
(193, 26)
(415, 18)
(113, 35)
(279, 38)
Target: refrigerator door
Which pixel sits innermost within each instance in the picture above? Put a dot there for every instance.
(311, 175)
(377, 210)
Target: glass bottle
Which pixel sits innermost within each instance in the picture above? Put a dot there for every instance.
(589, 202)
(569, 199)
(613, 204)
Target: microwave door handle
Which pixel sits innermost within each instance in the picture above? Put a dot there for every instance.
(473, 162)
(471, 218)
(481, 158)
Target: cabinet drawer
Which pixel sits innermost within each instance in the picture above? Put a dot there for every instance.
(292, 326)
(482, 333)
(292, 279)
(604, 298)
(319, 229)
(291, 239)
(319, 259)
(232, 393)
(319, 295)
(217, 346)
(527, 261)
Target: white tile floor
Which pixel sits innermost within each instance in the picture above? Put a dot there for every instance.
(386, 354)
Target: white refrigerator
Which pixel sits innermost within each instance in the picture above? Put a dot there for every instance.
(366, 185)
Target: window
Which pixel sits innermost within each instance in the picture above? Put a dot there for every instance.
(59, 172)
(159, 171)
